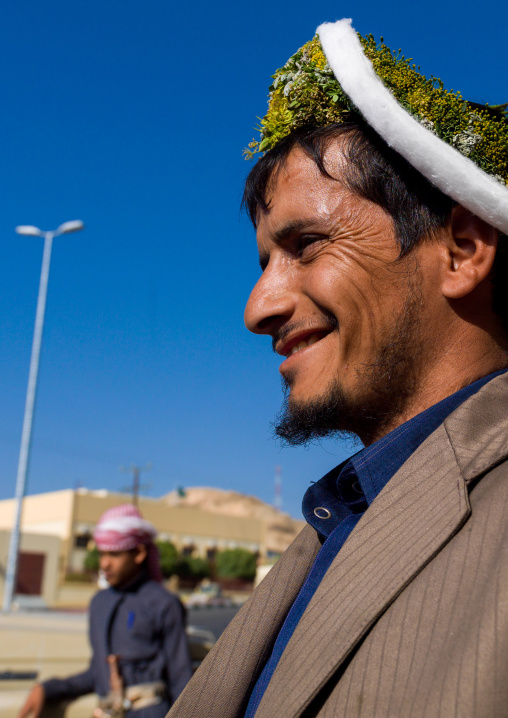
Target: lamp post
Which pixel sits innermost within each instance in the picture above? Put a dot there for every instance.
(26, 435)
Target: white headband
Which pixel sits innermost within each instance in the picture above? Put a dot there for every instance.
(450, 171)
(126, 524)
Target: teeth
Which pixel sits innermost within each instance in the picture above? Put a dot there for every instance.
(304, 343)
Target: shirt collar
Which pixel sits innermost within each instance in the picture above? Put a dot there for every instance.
(353, 485)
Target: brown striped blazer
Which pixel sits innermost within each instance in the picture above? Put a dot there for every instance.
(411, 618)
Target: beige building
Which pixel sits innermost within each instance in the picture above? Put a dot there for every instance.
(57, 528)
(38, 565)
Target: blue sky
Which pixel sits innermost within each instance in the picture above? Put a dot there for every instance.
(132, 116)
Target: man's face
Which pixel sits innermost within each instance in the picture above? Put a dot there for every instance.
(121, 567)
(340, 306)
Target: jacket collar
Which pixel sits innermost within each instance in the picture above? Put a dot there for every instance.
(371, 469)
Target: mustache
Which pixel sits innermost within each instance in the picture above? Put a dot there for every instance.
(326, 321)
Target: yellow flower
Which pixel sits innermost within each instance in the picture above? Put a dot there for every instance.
(305, 91)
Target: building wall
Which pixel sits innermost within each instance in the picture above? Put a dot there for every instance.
(185, 526)
(49, 514)
(42, 513)
(72, 515)
(49, 546)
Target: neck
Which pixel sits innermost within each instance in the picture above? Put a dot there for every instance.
(132, 580)
(457, 370)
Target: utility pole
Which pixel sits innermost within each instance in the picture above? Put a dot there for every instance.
(136, 486)
(277, 481)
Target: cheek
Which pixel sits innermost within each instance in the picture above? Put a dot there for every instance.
(125, 567)
(363, 298)
(345, 289)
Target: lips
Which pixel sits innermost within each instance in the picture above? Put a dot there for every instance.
(300, 341)
(304, 344)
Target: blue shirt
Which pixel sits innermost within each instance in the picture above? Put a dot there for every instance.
(335, 504)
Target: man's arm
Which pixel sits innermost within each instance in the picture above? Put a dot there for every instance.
(175, 648)
(69, 688)
(56, 689)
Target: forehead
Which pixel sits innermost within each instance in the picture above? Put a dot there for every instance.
(299, 192)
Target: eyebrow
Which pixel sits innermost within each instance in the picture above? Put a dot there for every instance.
(285, 232)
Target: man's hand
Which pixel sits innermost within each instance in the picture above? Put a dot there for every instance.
(34, 703)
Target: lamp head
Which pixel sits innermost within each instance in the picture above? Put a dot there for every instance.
(30, 230)
(73, 226)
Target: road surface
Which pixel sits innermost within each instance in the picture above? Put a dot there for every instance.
(213, 619)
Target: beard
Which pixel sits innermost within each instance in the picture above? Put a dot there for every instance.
(383, 390)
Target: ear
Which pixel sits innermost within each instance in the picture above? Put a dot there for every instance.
(470, 248)
(141, 554)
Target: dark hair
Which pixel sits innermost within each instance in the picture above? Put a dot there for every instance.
(377, 173)
(373, 171)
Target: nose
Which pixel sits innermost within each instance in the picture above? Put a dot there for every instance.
(104, 562)
(273, 300)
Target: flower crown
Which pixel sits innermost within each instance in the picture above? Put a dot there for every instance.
(305, 92)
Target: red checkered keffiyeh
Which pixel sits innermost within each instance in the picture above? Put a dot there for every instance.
(122, 528)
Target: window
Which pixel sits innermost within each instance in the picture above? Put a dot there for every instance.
(82, 540)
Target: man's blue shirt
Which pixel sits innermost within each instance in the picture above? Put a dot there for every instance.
(335, 504)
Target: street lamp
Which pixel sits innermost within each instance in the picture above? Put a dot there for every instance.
(26, 435)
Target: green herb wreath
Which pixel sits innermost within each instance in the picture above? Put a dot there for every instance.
(306, 92)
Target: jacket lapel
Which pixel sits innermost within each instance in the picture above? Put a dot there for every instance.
(420, 509)
(221, 687)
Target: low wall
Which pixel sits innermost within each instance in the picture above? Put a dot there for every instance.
(74, 594)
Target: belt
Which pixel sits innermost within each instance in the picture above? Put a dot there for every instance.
(145, 694)
(134, 698)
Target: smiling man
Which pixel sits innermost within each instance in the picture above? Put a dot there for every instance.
(341, 304)
(383, 261)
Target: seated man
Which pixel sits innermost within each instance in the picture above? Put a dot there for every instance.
(384, 288)
(140, 661)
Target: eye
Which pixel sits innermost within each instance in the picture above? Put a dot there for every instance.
(307, 245)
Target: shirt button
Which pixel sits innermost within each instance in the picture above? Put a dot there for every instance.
(322, 513)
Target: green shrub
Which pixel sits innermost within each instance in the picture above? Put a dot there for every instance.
(168, 556)
(91, 562)
(190, 567)
(236, 563)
